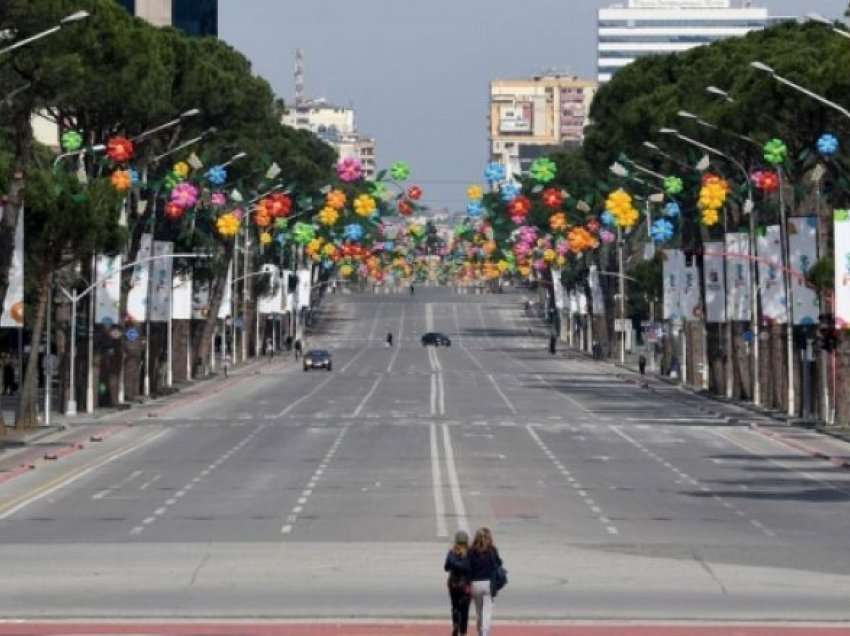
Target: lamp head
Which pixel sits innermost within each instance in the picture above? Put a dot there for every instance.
(668, 131)
(192, 112)
(651, 146)
(239, 155)
(687, 115)
(619, 169)
(74, 17)
(817, 17)
(761, 66)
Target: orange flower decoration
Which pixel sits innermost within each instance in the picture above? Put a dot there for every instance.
(121, 180)
(580, 240)
(558, 222)
(335, 199)
(262, 217)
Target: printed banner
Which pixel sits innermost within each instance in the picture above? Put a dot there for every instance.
(182, 297)
(557, 289)
(713, 280)
(273, 302)
(691, 296)
(582, 303)
(803, 247)
(200, 300)
(596, 296)
(163, 281)
(304, 285)
(138, 295)
(739, 299)
(108, 292)
(12, 311)
(674, 274)
(573, 301)
(842, 268)
(774, 302)
(224, 308)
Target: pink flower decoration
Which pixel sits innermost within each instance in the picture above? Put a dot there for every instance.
(349, 169)
(607, 236)
(540, 265)
(185, 195)
(518, 220)
(562, 247)
(238, 213)
(218, 199)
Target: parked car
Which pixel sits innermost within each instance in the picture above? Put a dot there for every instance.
(317, 359)
(436, 339)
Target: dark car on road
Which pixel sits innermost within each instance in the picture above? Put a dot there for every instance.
(317, 359)
(436, 340)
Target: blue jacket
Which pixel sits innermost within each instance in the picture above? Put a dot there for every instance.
(483, 564)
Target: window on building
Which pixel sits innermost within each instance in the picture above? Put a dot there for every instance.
(195, 17)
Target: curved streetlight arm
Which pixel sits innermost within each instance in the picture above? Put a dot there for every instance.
(184, 145)
(251, 275)
(74, 17)
(77, 153)
(170, 124)
(761, 66)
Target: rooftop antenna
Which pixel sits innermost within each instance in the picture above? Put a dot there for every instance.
(299, 78)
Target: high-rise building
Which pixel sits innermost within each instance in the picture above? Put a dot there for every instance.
(533, 117)
(195, 17)
(646, 27)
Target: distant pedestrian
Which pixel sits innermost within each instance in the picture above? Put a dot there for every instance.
(389, 338)
(597, 351)
(553, 345)
(288, 343)
(460, 587)
(411, 290)
(487, 575)
(9, 387)
(298, 349)
(642, 364)
(269, 348)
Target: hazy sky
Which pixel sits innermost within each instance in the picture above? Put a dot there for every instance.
(417, 71)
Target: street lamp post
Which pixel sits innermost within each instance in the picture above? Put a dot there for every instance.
(70, 19)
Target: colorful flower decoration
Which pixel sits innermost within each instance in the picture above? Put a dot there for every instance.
(552, 198)
(174, 211)
(364, 205)
(673, 185)
(349, 169)
(379, 191)
(580, 240)
(352, 232)
(509, 192)
(217, 175)
(558, 222)
(592, 226)
(775, 152)
(218, 199)
(119, 149)
(400, 171)
(265, 238)
(672, 209)
(827, 145)
(262, 218)
(494, 172)
(712, 197)
(238, 213)
(303, 233)
(71, 141)
(607, 218)
(346, 270)
(543, 170)
(765, 180)
(474, 192)
(134, 175)
(519, 206)
(474, 209)
(170, 181)
(279, 205)
(607, 236)
(121, 180)
(619, 204)
(414, 192)
(280, 224)
(328, 216)
(185, 195)
(335, 199)
(661, 230)
(710, 216)
(181, 169)
(227, 224)
(404, 207)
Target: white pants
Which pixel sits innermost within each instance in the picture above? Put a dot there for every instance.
(483, 606)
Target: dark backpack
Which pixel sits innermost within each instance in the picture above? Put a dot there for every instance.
(498, 580)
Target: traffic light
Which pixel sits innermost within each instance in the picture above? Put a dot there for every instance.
(828, 333)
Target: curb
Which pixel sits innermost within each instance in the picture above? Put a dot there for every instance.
(802, 447)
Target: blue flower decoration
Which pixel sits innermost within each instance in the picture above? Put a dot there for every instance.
(672, 209)
(388, 246)
(474, 209)
(510, 191)
(661, 230)
(353, 232)
(216, 175)
(494, 172)
(827, 145)
(607, 218)
(134, 176)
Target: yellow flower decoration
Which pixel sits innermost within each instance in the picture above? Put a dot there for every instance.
(710, 216)
(314, 246)
(227, 224)
(328, 215)
(181, 169)
(364, 205)
(549, 255)
(474, 192)
(335, 199)
(346, 270)
(329, 250)
(560, 261)
(265, 238)
(503, 266)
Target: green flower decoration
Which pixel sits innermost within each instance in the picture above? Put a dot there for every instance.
(280, 224)
(673, 185)
(171, 180)
(378, 190)
(400, 170)
(543, 170)
(303, 233)
(71, 141)
(775, 152)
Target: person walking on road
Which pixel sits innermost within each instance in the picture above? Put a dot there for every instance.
(389, 339)
(411, 290)
(460, 588)
(298, 349)
(642, 364)
(553, 345)
(485, 566)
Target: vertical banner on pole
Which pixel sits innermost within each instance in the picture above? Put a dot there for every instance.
(271, 302)
(227, 299)
(803, 246)
(304, 285)
(200, 300)
(842, 268)
(674, 270)
(108, 292)
(12, 311)
(691, 300)
(715, 289)
(163, 281)
(289, 299)
(738, 283)
(557, 289)
(181, 297)
(774, 302)
(137, 298)
(582, 303)
(596, 296)
(573, 298)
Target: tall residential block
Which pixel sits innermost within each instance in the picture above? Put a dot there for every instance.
(533, 117)
(646, 27)
(195, 17)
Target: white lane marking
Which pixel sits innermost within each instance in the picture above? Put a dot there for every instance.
(366, 397)
(437, 364)
(433, 394)
(442, 393)
(118, 486)
(318, 388)
(286, 529)
(429, 317)
(437, 482)
(454, 482)
(501, 393)
(70, 480)
(398, 343)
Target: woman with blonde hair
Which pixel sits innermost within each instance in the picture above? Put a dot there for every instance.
(457, 565)
(485, 565)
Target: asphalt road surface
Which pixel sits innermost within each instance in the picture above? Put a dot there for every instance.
(286, 494)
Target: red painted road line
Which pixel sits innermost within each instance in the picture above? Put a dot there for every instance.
(802, 447)
(409, 629)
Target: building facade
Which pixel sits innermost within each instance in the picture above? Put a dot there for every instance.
(533, 117)
(195, 17)
(647, 27)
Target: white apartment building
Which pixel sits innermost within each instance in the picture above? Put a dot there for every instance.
(647, 27)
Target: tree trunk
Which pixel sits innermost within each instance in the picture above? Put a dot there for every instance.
(27, 415)
(201, 347)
